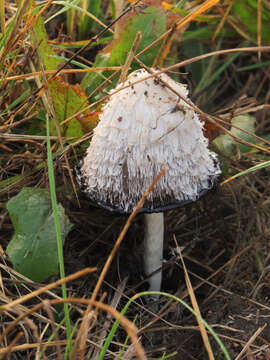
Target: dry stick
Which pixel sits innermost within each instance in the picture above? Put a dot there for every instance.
(250, 341)
(117, 69)
(175, 66)
(11, 326)
(199, 111)
(94, 38)
(28, 25)
(3, 20)
(12, 35)
(169, 68)
(24, 346)
(92, 16)
(19, 279)
(8, 350)
(123, 233)
(130, 57)
(31, 75)
(198, 11)
(244, 110)
(214, 53)
(235, 25)
(107, 323)
(48, 309)
(46, 288)
(130, 328)
(53, 115)
(101, 86)
(224, 17)
(89, 324)
(195, 305)
(21, 137)
(114, 250)
(217, 118)
(28, 111)
(206, 281)
(203, 281)
(35, 333)
(227, 292)
(119, 6)
(11, 67)
(6, 127)
(36, 293)
(164, 49)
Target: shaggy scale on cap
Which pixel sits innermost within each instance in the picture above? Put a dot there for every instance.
(143, 128)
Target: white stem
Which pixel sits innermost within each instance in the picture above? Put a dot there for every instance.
(153, 248)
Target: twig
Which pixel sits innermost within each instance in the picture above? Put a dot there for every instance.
(46, 288)
(250, 341)
(130, 57)
(195, 305)
(181, 64)
(130, 328)
(198, 11)
(30, 76)
(113, 252)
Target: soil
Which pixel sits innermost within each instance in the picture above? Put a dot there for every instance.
(224, 239)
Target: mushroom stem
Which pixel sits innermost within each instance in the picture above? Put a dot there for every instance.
(153, 248)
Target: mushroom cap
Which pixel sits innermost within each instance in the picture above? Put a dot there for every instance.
(142, 129)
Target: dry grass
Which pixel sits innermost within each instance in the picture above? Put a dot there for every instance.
(224, 238)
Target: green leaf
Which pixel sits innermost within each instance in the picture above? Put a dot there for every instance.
(93, 79)
(228, 145)
(198, 32)
(198, 68)
(33, 248)
(46, 51)
(152, 24)
(86, 26)
(250, 170)
(67, 99)
(245, 11)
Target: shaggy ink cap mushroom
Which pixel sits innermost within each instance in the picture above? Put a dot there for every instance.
(143, 128)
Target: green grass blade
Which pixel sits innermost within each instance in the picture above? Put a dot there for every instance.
(57, 227)
(116, 323)
(165, 357)
(248, 171)
(254, 66)
(24, 95)
(210, 66)
(125, 342)
(51, 338)
(66, 6)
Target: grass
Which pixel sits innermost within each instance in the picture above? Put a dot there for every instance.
(54, 80)
(58, 233)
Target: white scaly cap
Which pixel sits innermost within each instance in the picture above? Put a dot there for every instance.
(143, 128)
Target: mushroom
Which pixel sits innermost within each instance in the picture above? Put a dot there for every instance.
(143, 128)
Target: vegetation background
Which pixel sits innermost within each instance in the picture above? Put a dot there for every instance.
(61, 294)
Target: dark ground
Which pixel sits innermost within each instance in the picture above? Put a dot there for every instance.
(225, 240)
(226, 250)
